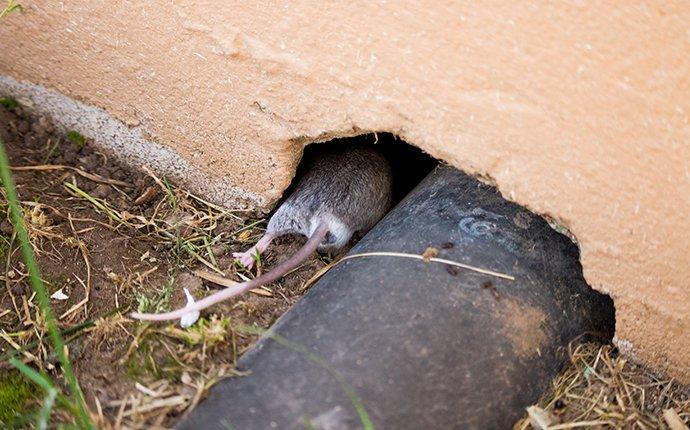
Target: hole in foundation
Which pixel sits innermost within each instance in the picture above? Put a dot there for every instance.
(409, 164)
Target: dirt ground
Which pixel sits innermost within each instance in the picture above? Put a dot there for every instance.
(110, 240)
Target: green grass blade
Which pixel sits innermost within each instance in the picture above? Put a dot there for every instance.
(11, 7)
(170, 193)
(41, 294)
(45, 383)
(96, 202)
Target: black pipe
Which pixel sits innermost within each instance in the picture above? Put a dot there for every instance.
(409, 344)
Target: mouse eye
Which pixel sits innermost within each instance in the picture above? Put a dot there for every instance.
(329, 239)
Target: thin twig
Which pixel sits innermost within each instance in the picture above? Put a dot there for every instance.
(580, 424)
(92, 176)
(433, 259)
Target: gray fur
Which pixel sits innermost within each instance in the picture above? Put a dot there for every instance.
(347, 187)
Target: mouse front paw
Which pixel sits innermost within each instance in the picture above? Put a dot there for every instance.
(245, 258)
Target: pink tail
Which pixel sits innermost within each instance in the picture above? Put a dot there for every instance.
(298, 258)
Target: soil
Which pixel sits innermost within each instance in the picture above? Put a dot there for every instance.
(109, 263)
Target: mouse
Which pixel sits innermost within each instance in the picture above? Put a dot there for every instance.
(345, 189)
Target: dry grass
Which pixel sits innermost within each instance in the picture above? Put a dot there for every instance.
(600, 390)
(182, 225)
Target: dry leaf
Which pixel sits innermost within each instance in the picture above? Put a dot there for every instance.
(147, 196)
(429, 253)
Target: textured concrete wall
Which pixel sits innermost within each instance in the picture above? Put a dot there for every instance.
(576, 110)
